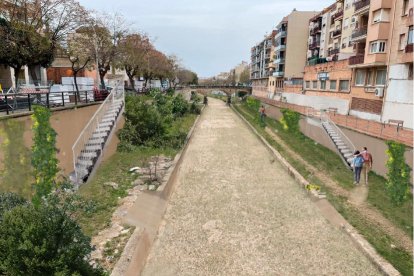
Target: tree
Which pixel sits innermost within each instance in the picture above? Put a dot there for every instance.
(43, 241)
(158, 66)
(134, 49)
(245, 76)
(186, 77)
(44, 161)
(105, 32)
(79, 54)
(33, 29)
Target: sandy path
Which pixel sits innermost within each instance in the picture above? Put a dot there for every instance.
(236, 212)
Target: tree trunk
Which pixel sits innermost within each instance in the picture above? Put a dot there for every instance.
(16, 75)
(32, 71)
(101, 76)
(75, 74)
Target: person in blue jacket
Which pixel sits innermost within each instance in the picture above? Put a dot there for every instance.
(357, 164)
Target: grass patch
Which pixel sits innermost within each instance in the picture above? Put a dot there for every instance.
(328, 161)
(115, 169)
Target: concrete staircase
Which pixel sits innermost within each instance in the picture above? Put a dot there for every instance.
(343, 144)
(96, 143)
(90, 144)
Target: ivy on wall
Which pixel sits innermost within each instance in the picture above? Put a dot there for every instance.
(44, 161)
(290, 120)
(398, 176)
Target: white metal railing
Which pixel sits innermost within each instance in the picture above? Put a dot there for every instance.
(117, 93)
(325, 118)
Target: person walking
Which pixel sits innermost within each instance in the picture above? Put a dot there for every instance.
(367, 164)
(357, 164)
(262, 112)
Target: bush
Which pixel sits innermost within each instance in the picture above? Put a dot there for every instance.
(8, 201)
(43, 241)
(179, 106)
(398, 176)
(195, 108)
(290, 120)
(253, 104)
(143, 123)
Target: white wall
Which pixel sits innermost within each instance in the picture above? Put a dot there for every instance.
(318, 102)
(365, 115)
(398, 104)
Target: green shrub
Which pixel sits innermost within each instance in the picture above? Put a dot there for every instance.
(43, 241)
(253, 104)
(195, 108)
(179, 106)
(8, 201)
(290, 120)
(143, 124)
(398, 176)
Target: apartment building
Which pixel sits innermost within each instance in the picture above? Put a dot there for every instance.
(398, 93)
(261, 68)
(290, 52)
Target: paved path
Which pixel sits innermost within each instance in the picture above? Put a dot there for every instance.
(235, 211)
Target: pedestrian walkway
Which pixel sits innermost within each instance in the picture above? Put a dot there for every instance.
(235, 211)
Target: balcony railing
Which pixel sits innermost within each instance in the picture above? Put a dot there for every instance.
(316, 28)
(338, 14)
(279, 60)
(316, 60)
(280, 47)
(358, 59)
(409, 48)
(314, 45)
(361, 4)
(278, 74)
(280, 34)
(333, 52)
(360, 32)
(336, 33)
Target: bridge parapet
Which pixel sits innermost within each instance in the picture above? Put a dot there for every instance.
(207, 89)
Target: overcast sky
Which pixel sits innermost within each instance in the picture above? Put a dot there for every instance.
(209, 36)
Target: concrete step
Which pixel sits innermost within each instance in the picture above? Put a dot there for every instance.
(86, 164)
(98, 134)
(89, 155)
(348, 155)
(93, 147)
(346, 151)
(105, 124)
(96, 140)
(103, 128)
(349, 160)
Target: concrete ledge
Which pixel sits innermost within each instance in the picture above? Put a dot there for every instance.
(383, 265)
(137, 249)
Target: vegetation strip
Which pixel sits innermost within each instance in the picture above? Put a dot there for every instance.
(405, 266)
(140, 242)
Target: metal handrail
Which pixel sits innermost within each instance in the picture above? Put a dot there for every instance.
(93, 124)
(325, 118)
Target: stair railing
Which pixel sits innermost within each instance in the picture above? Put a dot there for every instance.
(325, 118)
(117, 93)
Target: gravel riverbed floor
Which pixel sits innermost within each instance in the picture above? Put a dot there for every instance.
(236, 211)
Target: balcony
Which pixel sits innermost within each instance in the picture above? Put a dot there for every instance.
(315, 29)
(358, 59)
(280, 47)
(267, 56)
(281, 33)
(278, 74)
(361, 6)
(336, 33)
(316, 60)
(338, 15)
(314, 45)
(359, 34)
(279, 60)
(409, 48)
(333, 52)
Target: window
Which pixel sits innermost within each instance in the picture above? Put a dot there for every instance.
(307, 84)
(405, 8)
(323, 85)
(401, 44)
(370, 78)
(314, 84)
(332, 84)
(346, 23)
(377, 47)
(410, 35)
(360, 77)
(344, 85)
(410, 71)
(381, 77)
(381, 15)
